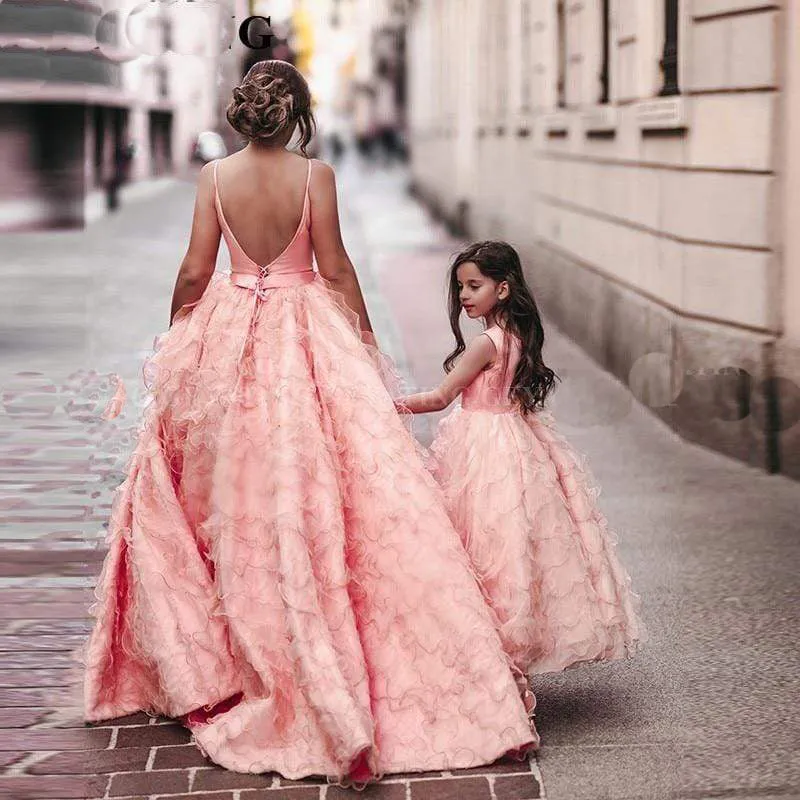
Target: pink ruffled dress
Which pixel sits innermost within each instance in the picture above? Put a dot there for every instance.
(279, 556)
(524, 505)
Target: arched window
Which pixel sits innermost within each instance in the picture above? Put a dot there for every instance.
(669, 58)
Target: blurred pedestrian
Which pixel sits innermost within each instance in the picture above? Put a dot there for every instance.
(337, 132)
(336, 144)
(329, 130)
(364, 130)
(123, 156)
(386, 113)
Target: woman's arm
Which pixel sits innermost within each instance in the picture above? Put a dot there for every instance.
(198, 264)
(332, 260)
(479, 353)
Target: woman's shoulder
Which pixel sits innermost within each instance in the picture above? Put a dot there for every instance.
(231, 158)
(322, 178)
(209, 169)
(322, 167)
(242, 157)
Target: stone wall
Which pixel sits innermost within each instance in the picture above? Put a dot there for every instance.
(651, 224)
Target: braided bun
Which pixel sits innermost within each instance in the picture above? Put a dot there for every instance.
(272, 98)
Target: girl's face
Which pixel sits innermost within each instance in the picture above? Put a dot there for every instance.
(478, 293)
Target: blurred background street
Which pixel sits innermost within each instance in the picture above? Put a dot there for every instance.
(636, 155)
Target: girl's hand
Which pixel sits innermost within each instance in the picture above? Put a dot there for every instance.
(480, 352)
(400, 407)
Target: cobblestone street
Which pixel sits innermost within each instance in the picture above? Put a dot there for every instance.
(708, 710)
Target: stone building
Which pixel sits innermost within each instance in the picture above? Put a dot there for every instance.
(62, 110)
(175, 76)
(638, 155)
(80, 81)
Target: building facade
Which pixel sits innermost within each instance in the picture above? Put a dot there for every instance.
(637, 154)
(99, 95)
(177, 49)
(63, 108)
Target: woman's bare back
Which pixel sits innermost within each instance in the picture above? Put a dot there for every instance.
(261, 195)
(262, 199)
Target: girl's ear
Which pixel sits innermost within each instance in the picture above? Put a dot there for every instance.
(503, 290)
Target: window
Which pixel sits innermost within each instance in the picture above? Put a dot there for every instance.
(526, 88)
(162, 81)
(561, 54)
(605, 32)
(669, 59)
(501, 77)
(485, 59)
(168, 43)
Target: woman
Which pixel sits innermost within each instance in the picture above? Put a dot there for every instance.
(282, 574)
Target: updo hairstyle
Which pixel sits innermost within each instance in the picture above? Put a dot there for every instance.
(272, 98)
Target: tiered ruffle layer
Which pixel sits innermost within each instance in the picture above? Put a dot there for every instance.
(525, 505)
(277, 535)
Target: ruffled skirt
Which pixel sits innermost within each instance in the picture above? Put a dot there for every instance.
(525, 506)
(278, 546)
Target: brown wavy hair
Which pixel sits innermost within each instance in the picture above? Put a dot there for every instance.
(518, 314)
(272, 98)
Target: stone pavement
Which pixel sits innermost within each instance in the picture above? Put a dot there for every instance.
(709, 709)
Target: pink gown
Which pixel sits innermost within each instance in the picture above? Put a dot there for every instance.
(525, 507)
(278, 541)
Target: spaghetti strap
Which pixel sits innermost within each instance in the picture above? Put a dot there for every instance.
(307, 197)
(216, 187)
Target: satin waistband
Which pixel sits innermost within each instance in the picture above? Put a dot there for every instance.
(273, 280)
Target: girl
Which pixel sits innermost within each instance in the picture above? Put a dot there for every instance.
(282, 574)
(516, 492)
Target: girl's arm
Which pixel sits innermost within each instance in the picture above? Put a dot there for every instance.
(479, 353)
(326, 238)
(200, 260)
